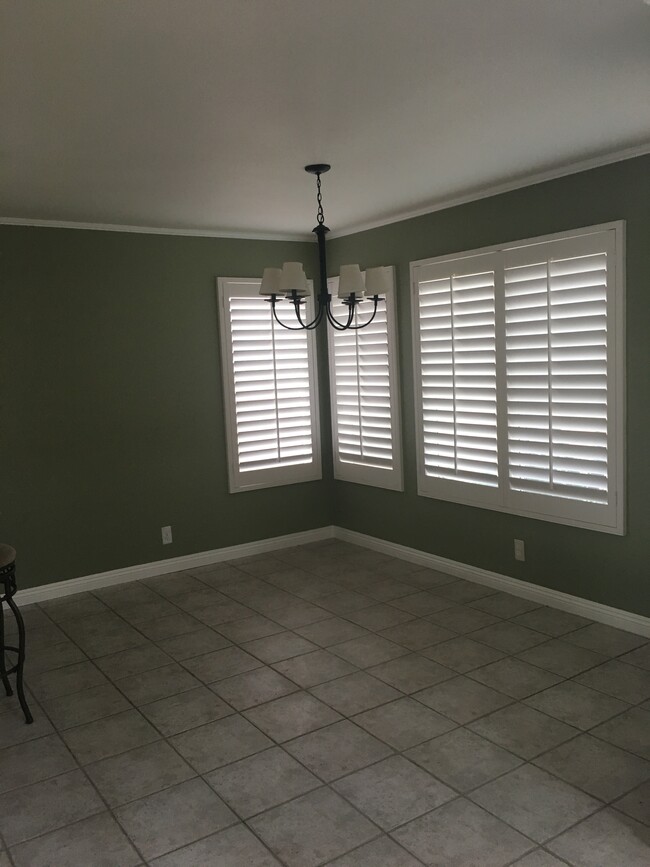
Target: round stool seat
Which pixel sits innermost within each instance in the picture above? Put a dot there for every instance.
(7, 555)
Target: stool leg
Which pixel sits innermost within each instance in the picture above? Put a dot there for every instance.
(21, 661)
(3, 668)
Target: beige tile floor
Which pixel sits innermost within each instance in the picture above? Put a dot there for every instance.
(324, 705)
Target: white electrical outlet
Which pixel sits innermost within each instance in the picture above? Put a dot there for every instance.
(520, 549)
(166, 535)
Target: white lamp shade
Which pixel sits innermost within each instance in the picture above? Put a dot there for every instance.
(293, 279)
(377, 282)
(271, 281)
(350, 280)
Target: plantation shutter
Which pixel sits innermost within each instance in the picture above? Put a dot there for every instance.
(558, 390)
(456, 376)
(364, 396)
(269, 390)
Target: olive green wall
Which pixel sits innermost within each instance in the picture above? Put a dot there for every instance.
(111, 402)
(614, 570)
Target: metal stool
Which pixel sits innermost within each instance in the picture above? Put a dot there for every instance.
(7, 591)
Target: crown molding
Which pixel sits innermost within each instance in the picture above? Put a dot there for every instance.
(152, 230)
(478, 193)
(472, 195)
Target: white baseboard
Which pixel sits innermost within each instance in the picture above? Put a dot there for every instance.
(163, 567)
(626, 620)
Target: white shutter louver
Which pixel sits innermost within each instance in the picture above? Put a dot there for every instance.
(364, 398)
(270, 392)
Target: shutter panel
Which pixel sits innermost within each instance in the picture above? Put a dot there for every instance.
(269, 393)
(364, 395)
(556, 366)
(457, 371)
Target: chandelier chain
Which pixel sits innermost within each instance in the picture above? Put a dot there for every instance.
(319, 198)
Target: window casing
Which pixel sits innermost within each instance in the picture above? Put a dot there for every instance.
(270, 392)
(364, 394)
(519, 377)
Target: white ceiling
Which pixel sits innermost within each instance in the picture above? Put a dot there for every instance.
(200, 114)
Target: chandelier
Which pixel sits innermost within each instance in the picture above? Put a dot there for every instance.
(290, 283)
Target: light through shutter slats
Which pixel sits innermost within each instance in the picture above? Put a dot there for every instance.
(458, 377)
(272, 393)
(556, 372)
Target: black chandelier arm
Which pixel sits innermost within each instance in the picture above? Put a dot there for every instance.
(334, 322)
(376, 300)
(315, 321)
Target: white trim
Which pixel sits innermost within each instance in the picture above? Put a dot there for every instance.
(152, 230)
(478, 193)
(616, 617)
(473, 195)
(164, 567)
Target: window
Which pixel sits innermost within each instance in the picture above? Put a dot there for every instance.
(364, 394)
(270, 392)
(519, 358)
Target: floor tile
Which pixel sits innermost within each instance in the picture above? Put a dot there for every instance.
(102, 634)
(460, 834)
(194, 643)
(393, 791)
(523, 730)
(47, 658)
(291, 716)
(411, 673)
(221, 664)
(333, 630)
(514, 678)
(109, 737)
(422, 603)
(551, 621)
(368, 650)
(260, 782)
(274, 648)
(73, 607)
(66, 681)
(310, 669)
(606, 639)
(249, 628)
(184, 711)
(216, 615)
(576, 705)
(174, 817)
(596, 767)
(125, 663)
(139, 772)
(47, 805)
(539, 858)
(336, 750)
(462, 618)
(385, 591)
(219, 743)
(13, 729)
(403, 723)
(505, 605)
(603, 840)
(417, 634)
(463, 760)
(561, 658)
(379, 617)
(626, 682)
(464, 591)
(462, 654)
(462, 699)
(630, 731)
(160, 683)
(640, 657)
(234, 847)
(253, 687)
(296, 613)
(146, 611)
(313, 829)
(86, 706)
(345, 602)
(382, 851)
(98, 840)
(636, 803)
(355, 693)
(169, 626)
(534, 802)
(32, 761)
(509, 637)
